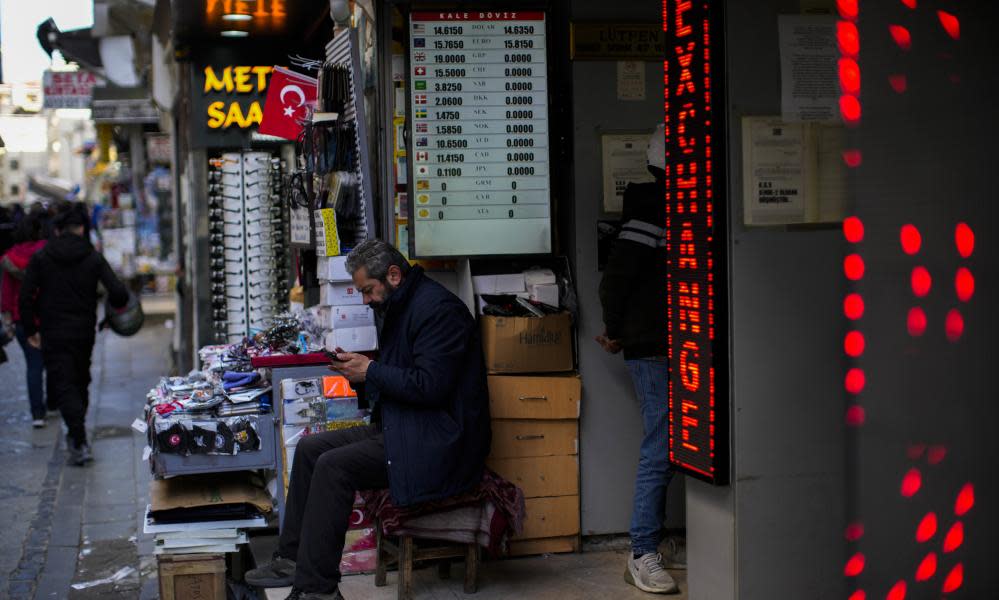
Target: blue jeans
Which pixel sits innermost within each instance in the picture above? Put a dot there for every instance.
(651, 376)
(33, 357)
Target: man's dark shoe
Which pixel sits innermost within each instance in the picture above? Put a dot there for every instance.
(79, 454)
(279, 572)
(297, 594)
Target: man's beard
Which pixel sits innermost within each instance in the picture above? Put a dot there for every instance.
(379, 307)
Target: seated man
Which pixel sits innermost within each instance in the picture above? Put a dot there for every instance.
(430, 431)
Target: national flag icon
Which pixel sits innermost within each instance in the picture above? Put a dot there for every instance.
(422, 156)
(423, 198)
(420, 56)
(420, 71)
(423, 171)
(422, 127)
(422, 142)
(421, 84)
(420, 113)
(423, 185)
(420, 99)
(419, 28)
(419, 42)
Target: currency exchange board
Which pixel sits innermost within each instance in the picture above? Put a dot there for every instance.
(478, 131)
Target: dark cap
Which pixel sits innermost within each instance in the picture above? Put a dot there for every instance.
(70, 218)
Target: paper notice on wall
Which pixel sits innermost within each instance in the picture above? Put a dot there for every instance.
(300, 226)
(630, 80)
(624, 162)
(776, 157)
(808, 59)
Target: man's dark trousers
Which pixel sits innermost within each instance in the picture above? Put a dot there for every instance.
(67, 363)
(327, 471)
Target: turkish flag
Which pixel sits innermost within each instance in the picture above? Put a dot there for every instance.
(291, 98)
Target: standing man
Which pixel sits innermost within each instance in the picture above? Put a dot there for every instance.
(633, 296)
(429, 435)
(59, 293)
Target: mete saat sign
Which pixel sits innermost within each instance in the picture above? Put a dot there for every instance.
(244, 88)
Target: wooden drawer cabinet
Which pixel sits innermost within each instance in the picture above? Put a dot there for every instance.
(551, 517)
(526, 438)
(540, 477)
(516, 397)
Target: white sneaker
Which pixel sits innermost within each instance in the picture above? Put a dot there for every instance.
(648, 574)
(38, 423)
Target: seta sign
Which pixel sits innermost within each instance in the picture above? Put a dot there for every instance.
(696, 221)
(243, 88)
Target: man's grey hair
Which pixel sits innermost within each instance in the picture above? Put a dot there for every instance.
(376, 257)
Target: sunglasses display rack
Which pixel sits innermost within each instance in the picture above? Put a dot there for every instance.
(249, 254)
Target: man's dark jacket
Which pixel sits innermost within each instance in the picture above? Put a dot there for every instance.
(633, 288)
(60, 289)
(429, 384)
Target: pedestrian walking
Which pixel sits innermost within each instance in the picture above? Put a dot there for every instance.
(29, 239)
(59, 293)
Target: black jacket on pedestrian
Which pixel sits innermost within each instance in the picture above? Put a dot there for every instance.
(429, 385)
(60, 289)
(633, 288)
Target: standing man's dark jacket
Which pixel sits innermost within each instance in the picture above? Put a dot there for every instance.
(429, 386)
(66, 272)
(633, 288)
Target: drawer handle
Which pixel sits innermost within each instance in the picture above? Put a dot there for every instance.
(539, 398)
(531, 437)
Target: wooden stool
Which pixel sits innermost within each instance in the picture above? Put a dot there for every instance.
(406, 553)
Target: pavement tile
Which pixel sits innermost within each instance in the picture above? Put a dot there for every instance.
(109, 531)
(107, 512)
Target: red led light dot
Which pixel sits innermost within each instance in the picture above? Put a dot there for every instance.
(853, 267)
(901, 36)
(964, 284)
(855, 381)
(915, 451)
(910, 238)
(855, 416)
(854, 566)
(927, 568)
(853, 306)
(954, 325)
(853, 229)
(858, 595)
(854, 344)
(897, 591)
(847, 9)
(954, 537)
(954, 579)
(911, 483)
(853, 158)
(927, 528)
(950, 24)
(910, 3)
(964, 239)
(849, 107)
(936, 455)
(916, 322)
(965, 500)
(899, 83)
(849, 75)
(921, 281)
(848, 38)
(854, 531)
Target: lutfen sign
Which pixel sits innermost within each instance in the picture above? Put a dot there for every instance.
(235, 80)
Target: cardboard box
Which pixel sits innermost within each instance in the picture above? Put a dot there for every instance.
(352, 316)
(332, 268)
(216, 489)
(325, 314)
(510, 283)
(192, 576)
(339, 294)
(354, 339)
(539, 277)
(527, 344)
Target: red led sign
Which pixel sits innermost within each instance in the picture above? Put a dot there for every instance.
(695, 240)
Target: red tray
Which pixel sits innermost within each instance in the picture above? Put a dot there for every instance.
(290, 360)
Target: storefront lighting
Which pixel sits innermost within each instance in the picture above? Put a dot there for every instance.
(234, 33)
(237, 17)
